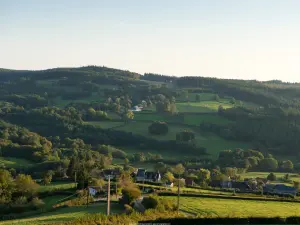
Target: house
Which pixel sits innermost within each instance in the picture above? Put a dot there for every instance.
(189, 182)
(280, 189)
(169, 184)
(221, 184)
(143, 175)
(136, 109)
(140, 175)
(152, 176)
(241, 186)
(112, 173)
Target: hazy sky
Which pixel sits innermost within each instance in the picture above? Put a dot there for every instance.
(247, 39)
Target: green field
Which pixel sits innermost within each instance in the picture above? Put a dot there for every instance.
(57, 186)
(198, 119)
(105, 124)
(156, 117)
(214, 207)
(10, 162)
(65, 214)
(192, 97)
(213, 143)
(204, 107)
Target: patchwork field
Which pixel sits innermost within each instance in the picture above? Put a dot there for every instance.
(234, 208)
(213, 143)
(10, 162)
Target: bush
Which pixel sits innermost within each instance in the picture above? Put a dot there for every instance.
(150, 202)
(128, 209)
(37, 203)
(158, 128)
(130, 194)
(271, 177)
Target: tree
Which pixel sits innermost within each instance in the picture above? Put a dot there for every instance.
(129, 115)
(47, 177)
(203, 175)
(178, 169)
(139, 157)
(97, 182)
(268, 164)
(216, 98)
(26, 185)
(168, 177)
(198, 97)
(232, 100)
(287, 165)
(7, 186)
(73, 167)
(271, 177)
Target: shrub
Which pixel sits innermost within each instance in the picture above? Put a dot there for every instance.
(128, 209)
(37, 203)
(271, 177)
(130, 194)
(150, 202)
(158, 128)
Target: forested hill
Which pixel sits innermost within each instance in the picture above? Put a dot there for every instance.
(181, 118)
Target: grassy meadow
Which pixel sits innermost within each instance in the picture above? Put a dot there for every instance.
(213, 143)
(202, 107)
(55, 186)
(66, 214)
(234, 208)
(16, 163)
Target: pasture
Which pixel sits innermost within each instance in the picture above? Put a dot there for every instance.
(192, 97)
(213, 143)
(65, 214)
(235, 208)
(105, 124)
(194, 119)
(10, 162)
(55, 186)
(204, 107)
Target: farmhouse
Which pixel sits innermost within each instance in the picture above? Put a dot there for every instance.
(136, 109)
(144, 175)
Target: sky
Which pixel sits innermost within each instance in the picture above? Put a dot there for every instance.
(243, 39)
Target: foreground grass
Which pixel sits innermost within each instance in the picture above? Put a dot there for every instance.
(232, 208)
(65, 214)
(10, 162)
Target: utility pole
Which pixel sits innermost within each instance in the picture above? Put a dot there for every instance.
(108, 197)
(116, 190)
(178, 193)
(75, 178)
(87, 196)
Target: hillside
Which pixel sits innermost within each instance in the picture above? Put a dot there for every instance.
(71, 124)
